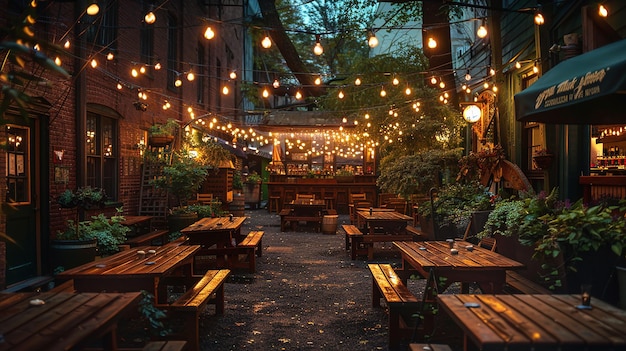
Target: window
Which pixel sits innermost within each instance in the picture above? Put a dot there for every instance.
(146, 41)
(534, 133)
(103, 31)
(172, 50)
(18, 158)
(101, 150)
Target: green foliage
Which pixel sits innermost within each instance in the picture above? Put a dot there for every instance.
(212, 210)
(153, 315)
(108, 231)
(416, 174)
(254, 178)
(84, 197)
(210, 152)
(168, 128)
(183, 177)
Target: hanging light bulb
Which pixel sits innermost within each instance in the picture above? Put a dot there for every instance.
(602, 11)
(110, 56)
(432, 43)
(93, 8)
(208, 33)
(395, 81)
(142, 69)
(266, 42)
(372, 41)
(535, 68)
(494, 88)
(468, 76)
(492, 71)
(318, 81)
(433, 80)
(298, 95)
(67, 44)
(134, 72)
(225, 90)
(357, 81)
(468, 90)
(539, 20)
(233, 75)
(150, 17)
(486, 85)
(340, 95)
(266, 93)
(442, 84)
(119, 86)
(276, 84)
(157, 66)
(407, 91)
(318, 49)
(482, 30)
(94, 63)
(518, 65)
(178, 82)
(383, 93)
(191, 76)
(57, 61)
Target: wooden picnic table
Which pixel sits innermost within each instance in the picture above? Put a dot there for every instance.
(126, 271)
(138, 225)
(61, 320)
(535, 322)
(389, 221)
(221, 232)
(484, 267)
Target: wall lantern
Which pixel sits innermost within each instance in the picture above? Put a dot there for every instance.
(472, 113)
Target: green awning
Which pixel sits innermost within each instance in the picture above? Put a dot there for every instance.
(586, 89)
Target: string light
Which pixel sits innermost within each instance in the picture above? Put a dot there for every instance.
(276, 84)
(142, 69)
(134, 73)
(209, 34)
(57, 61)
(318, 49)
(67, 44)
(372, 41)
(318, 81)
(482, 30)
(433, 80)
(518, 65)
(357, 81)
(266, 93)
(225, 90)
(407, 91)
(340, 95)
(383, 93)
(535, 68)
(233, 75)
(539, 20)
(157, 66)
(468, 76)
(395, 81)
(432, 43)
(93, 9)
(150, 17)
(602, 11)
(110, 56)
(298, 95)
(266, 42)
(178, 82)
(94, 63)
(191, 76)
(119, 86)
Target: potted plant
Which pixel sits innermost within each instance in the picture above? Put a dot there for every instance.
(344, 175)
(252, 189)
(543, 158)
(182, 179)
(85, 197)
(87, 239)
(162, 134)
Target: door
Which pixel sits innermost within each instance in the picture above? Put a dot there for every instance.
(23, 181)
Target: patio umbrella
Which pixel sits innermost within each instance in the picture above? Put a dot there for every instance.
(586, 89)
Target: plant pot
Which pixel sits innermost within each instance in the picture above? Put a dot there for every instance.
(543, 161)
(178, 221)
(160, 140)
(72, 253)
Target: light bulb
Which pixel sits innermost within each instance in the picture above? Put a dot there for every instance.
(266, 93)
(433, 80)
(492, 71)
(110, 56)
(57, 61)
(486, 85)
(518, 65)
(340, 95)
(318, 49)
(276, 84)
(468, 76)
(395, 81)
(225, 90)
(190, 76)
(357, 81)
(372, 41)
(298, 95)
(233, 75)
(442, 84)
(482, 31)
(150, 17)
(93, 9)
(407, 91)
(94, 63)
(602, 11)
(535, 69)
(318, 81)
(178, 82)
(266, 42)
(383, 93)
(67, 44)
(142, 69)
(119, 86)
(539, 20)
(209, 34)
(432, 43)
(157, 66)
(134, 73)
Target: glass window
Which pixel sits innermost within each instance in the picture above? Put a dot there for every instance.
(101, 150)
(17, 170)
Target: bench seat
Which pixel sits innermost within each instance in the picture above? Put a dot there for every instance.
(287, 216)
(363, 244)
(401, 303)
(148, 238)
(517, 283)
(351, 232)
(209, 289)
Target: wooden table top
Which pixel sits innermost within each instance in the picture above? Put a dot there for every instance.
(61, 321)
(537, 322)
(383, 215)
(208, 224)
(308, 202)
(132, 220)
(437, 254)
(128, 263)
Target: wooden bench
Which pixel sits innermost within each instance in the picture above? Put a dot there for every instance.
(363, 244)
(517, 283)
(286, 216)
(148, 238)
(209, 289)
(251, 247)
(418, 235)
(37, 283)
(429, 347)
(172, 345)
(401, 303)
(351, 232)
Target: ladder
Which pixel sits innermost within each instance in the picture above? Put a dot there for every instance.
(153, 201)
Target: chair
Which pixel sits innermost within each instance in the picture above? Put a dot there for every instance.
(204, 199)
(305, 197)
(488, 243)
(398, 204)
(274, 203)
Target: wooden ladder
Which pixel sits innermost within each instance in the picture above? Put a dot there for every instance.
(152, 200)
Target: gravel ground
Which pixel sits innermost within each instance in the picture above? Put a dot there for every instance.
(307, 294)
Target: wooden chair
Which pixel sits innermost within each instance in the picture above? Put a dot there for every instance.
(488, 243)
(398, 204)
(204, 199)
(305, 196)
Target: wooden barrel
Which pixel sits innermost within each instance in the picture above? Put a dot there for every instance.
(238, 205)
(329, 224)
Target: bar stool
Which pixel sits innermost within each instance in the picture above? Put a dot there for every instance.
(274, 203)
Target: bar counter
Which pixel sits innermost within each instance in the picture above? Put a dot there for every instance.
(329, 189)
